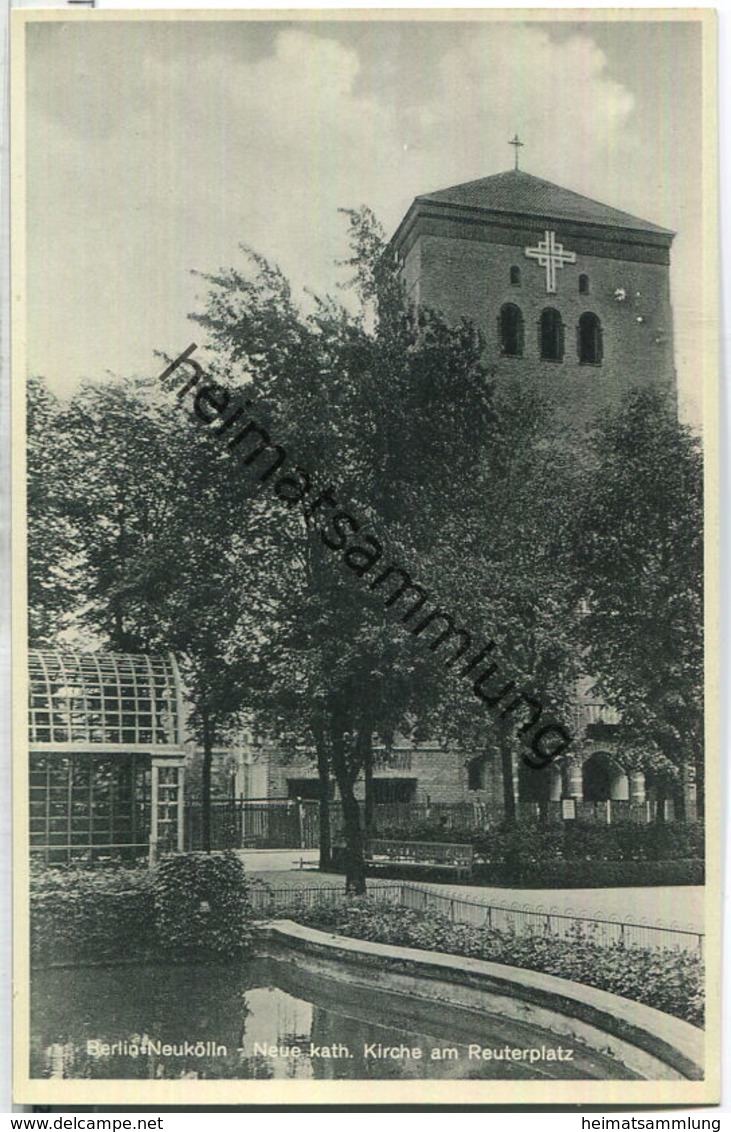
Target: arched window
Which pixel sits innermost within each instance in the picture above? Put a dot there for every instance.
(511, 331)
(551, 335)
(590, 339)
(583, 284)
(515, 276)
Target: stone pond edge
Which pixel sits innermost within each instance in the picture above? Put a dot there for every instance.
(652, 1044)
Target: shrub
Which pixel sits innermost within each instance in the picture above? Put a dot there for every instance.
(192, 905)
(202, 908)
(668, 980)
(462, 834)
(79, 914)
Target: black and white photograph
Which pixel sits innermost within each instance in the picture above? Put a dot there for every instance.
(365, 432)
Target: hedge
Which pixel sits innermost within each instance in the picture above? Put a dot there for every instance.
(671, 981)
(96, 915)
(551, 874)
(567, 840)
(191, 906)
(590, 874)
(569, 855)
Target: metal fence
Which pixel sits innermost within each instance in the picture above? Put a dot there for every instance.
(268, 900)
(255, 825)
(522, 920)
(513, 917)
(408, 817)
(295, 824)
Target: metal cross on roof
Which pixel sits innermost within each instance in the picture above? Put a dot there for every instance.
(550, 255)
(517, 144)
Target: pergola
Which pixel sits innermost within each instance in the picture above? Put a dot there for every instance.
(106, 755)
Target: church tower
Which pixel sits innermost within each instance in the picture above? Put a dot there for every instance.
(570, 294)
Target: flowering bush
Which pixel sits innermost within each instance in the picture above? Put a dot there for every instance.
(671, 981)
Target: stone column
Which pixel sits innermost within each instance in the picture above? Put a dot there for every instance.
(619, 786)
(574, 780)
(690, 794)
(554, 783)
(637, 786)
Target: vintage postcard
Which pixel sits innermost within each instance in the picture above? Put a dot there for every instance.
(365, 449)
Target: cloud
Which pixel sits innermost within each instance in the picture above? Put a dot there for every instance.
(571, 115)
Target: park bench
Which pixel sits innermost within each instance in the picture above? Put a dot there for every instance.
(420, 855)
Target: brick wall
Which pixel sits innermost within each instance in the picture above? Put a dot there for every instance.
(439, 775)
(467, 276)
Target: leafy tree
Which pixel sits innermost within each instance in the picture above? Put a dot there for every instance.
(639, 552)
(372, 408)
(393, 412)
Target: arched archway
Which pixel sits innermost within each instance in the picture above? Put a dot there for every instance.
(476, 772)
(603, 778)
(534, 784)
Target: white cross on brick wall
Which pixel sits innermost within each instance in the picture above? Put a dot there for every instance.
(550, 255)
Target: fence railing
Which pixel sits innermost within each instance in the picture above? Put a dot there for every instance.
(282, 824)
(295, 823)
(549, 921)
(512, 917)
(408, 817)
(270, 900)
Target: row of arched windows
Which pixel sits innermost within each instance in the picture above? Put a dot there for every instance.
(551, 336)
(515, 279)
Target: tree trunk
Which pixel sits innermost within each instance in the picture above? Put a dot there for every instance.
(355, 882)
(506, 768)
(323, 773)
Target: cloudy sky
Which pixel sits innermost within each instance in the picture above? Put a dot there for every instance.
(157, 146)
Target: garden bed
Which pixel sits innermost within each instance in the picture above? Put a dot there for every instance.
(668, 980)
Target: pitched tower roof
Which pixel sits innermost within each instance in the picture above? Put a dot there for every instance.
(519, 198)
(524, 194)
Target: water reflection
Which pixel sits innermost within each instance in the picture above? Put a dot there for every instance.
(265, 1021)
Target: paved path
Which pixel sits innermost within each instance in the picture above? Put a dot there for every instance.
(679, 906)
